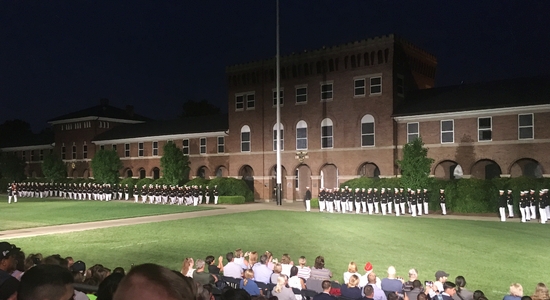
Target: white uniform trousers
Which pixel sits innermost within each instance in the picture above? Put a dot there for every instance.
(443, 208)
(527, 211)
(376, 208)
(350, 205)
(413, 210)
(409, 206)
(216, 199)
(136, 198)
(533, 212)
(397, 210)
(510, 211)
(543, 217)
(522, 212)
(364, 206)
(321, 205)
(426, 206)
(337, 205)
(126, 196)
(370, 208)
(14, 199)
(502, 212)
(389, 207)
(344, 206)
(419, 209)
(195, 201)
(402, 205)
(384, 208)
(308, 205)
(330, 206)
(357, 207)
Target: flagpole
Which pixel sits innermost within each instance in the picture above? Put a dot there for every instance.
(278, 126)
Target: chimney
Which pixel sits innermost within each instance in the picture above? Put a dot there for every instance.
(104, 102)
(130, 110)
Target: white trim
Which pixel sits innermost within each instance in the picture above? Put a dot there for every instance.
(370, 85)
(364, 79)
(205, 145)
(25, 148)
(173, 137)
(418, 128)
(441, 131)
(485, 143)
(95, 118)
(366, 134)
(532, 127)
(218, 145)
(475, 113)
(485, 129)
(300, 86)
(323, 83)
(324, 150)
(153, 148)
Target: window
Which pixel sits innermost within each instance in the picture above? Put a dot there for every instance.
(281, 97)
(85, 151)
(359, 87)
(301, 94)
(155, 148)
(282, 144)
(367, 131)
(32, 155)
(140, 149)
(74, 151)
(447, 131)
(301, 135)
(245, 139)
(41, 155)
(326, 133)
(326, 91)
(239, 102)
(400, 85)
(202, 145)
(24, 155)
(62, 152)
(413, 132)
(126, 150)
(484, 129)
(69, 126)
(250, 101)
(87, 124)
(114, 147)
(376, 85)
(525, 126)
(221, 144)
(77, 125)
(185, 147)
(103, 124)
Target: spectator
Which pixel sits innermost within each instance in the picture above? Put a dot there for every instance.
(239, 259)
(8, 264)
(232, 269)
(319, 272)
(325, 295)
(248, 284)
(391, 284)
(261, 272)
(368, 291)
(276, 273)
(202, 277)
(48, 281)
(294, 281)
(78, 270)
(516, 292)
(522, 298)
(270, 263)
(478, 294)
(235, 294)
(119, 270)
(187, 267)
(281, 291)
(441, 278)
(108, 286)
(352, 270)
(212, 267)
(286, 263)
(70, 261)
(449, 289)
(378, 292)
(461, 292)
(33, 260)
(252, 259)
(150, 281)
(20, 265)
(303, 270)
(364, 279)
(351, 289)
(56, 259)
(204, 292)
(408, 285)
(421, 296)
(415, 290)
(541, 292)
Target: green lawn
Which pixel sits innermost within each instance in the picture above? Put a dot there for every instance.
(32, 212)
(490, 255)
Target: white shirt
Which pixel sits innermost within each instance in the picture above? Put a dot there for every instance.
(232, 270)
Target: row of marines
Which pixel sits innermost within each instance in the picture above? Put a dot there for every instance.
(529, 204)
(370, 200)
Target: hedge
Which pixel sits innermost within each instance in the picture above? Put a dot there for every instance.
(231, 200)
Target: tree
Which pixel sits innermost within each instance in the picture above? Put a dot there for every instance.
(106, 165)
(174, 165)
(201, 108)
(53, 167)
(12, 167)
(415, 165)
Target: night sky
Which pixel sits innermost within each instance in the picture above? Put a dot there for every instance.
(57, 57)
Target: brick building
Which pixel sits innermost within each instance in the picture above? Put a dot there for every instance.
(346, 112)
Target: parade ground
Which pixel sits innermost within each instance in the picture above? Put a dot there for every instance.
(488, 253)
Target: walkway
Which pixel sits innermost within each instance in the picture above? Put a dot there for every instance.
(224, 209)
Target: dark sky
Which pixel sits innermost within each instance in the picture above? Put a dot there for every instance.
(61, 56)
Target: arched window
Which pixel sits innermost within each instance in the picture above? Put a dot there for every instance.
(380, 57)
(282, 144)
(367, 131)
(326, 134)
(301, 135)
(245, 138)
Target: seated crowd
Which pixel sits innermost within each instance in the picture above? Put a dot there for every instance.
(245, 276)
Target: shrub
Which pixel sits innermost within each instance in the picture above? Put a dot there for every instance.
(232, 187)
(198, 181)
(144, 181)
(231, 200)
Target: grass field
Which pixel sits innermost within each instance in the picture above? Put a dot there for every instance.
(32, 212)
(490, 255)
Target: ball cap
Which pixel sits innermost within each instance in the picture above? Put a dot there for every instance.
(368, 267)
(7, 249)
(78, 266)
(440, 274)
